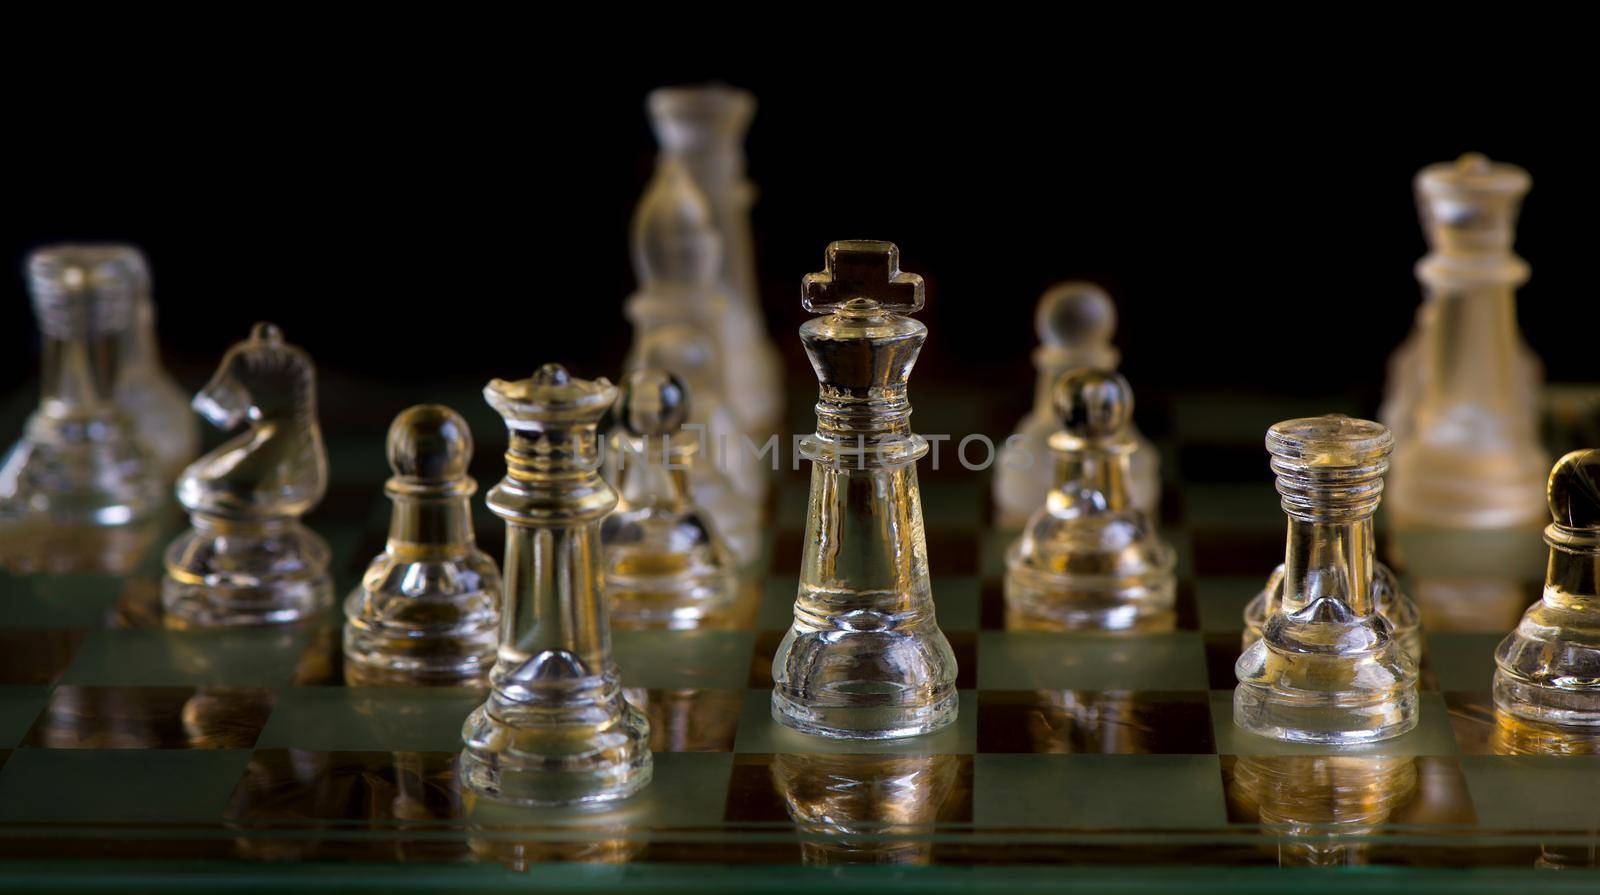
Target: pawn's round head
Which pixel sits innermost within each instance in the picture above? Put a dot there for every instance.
(1093, 405)
(653, 403)
(1075, 314)
(1574, 490)
(430, 442)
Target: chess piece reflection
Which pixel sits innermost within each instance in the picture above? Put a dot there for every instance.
(1328, 668)
(1548, 670)
(1089, 559)
(665, 565)
(688, 719)
(702, 129)
(1514, 735)
(80, 460)
(427, 611)
(1470, 457)
(865, 809)
(246, 558)
(1323, 803)
(1088, 722)
(555, 729)
(613, 833)
(1391, 602)
(727, 477)
(864, 658)
(1075, 322)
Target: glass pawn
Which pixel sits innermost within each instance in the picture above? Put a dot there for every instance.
(666, 566)
(1075, 322)
(703, 129)
(1393, 603)
(865, 658)
(1089, 559)
(1547, 671)
(1470, 458)
(80, 460)
(1328, 668)
(246, 559)
(555, 729)
(728, 480)
(427, 611)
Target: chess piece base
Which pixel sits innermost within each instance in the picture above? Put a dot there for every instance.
(669, 601)
(1397, 608)
(1546, 678)
(226, 573)
(1122, 604)
(865, 679)
(444, 635)
(1366, 699)
(79, 471)
(576, 744)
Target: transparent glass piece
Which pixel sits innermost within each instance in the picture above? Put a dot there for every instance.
(151, 398)
(1089, 559)
(246, 558)
(1469, 456)
(1548, 670)
(1323, 802)
(556, 729)
(1075, 322)
(427, 611)
(1328, 668)
(865, 657)
(866, 809)
(1402, 613)
(702, 129)
(666, 566)
(80, 460)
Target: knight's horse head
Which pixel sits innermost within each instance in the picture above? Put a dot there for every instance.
(262, 378)
(278, 464)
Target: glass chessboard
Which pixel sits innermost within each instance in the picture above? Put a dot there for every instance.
(132, 751)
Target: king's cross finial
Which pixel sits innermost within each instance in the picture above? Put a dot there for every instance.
(862, 268)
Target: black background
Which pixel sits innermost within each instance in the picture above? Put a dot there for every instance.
(1255, 225)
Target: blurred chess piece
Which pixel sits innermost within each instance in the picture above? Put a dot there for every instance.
(1075, 322)
(703, 130)
(665, 563)
(81, 460)
(1328, 668)
(729, 480)
(158, 408)
(1403, 615)
(246, 558)
(689, 719)
(427, 611)
(866, 809)
(555, 729)
(1469, 457)
(1548, 669)
(1323, 805)
(1089, 559)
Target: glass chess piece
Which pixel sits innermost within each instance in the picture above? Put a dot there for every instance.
(1471, 458)
(246, 559)
(1328, 668)
(703, 129)
(1547, 670)
(1392, 602)
(427, 611)
(1089, 559)
(865, 658)
(80, 461)
(728, 481)
(665, 565)
(556, 729)
(1323, 805)
(151, 398)
(1075, 322)
(865, 809)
